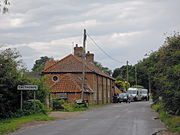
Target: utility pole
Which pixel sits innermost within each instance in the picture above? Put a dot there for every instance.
(127, 72)
(149, 83)
(136, 74)
(84, 60)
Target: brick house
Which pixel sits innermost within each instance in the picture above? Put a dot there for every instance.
(65, 79)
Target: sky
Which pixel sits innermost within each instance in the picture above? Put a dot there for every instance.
(124, 29)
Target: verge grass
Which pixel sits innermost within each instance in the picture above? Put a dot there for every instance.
(10, 125)
(76, 108)
(172, 122)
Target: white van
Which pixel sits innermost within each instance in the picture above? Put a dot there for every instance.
(144, 93)
(135, 93)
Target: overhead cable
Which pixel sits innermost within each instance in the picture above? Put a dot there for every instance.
(103, 50)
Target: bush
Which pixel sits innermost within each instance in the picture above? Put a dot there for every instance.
(81, 107)
(68, 107)
(28, 109)
(57, 104)
(63, 106)
(39, 107)
(158, 107)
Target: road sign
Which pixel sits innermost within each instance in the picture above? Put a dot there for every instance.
(27, 87)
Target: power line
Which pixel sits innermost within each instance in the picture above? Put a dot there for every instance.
(103, 50)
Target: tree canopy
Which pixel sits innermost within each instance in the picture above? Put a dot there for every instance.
(40, 63)
(163, 67)
(121, 74)
(4, 6)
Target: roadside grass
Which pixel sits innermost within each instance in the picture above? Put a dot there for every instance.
(77, 108)
(172, 122)
(10, 125)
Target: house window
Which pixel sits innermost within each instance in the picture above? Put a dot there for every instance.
(55, 78)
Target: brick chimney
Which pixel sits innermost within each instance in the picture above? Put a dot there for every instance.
(78, 51)
(89, 57)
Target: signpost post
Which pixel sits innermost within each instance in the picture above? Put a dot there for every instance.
(27, 88)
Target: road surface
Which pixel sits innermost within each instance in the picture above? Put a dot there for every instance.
(136, 118)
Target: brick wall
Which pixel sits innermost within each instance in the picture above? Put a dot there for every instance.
(72, 97)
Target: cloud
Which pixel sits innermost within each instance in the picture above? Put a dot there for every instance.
(125, 29)
(77, 25)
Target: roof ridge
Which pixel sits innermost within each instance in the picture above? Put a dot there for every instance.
(58, 62)
(50, 65)
(82, 63)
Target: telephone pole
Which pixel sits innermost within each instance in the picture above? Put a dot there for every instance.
(136, 74)
(127, 71)
(149, 78)
(84, 60)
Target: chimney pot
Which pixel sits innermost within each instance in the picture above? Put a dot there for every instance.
(78, 51)
(89, 57)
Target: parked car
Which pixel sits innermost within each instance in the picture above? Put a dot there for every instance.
(115, 98)
(124, 97)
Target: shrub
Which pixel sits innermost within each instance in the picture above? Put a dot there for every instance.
(81, 107)
(158, 107)
(68, 107)
(172, 121)
(39, 107)
(57, 104)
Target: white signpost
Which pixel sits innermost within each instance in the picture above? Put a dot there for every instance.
(27, 88)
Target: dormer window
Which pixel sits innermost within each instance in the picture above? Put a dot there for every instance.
(55, 78)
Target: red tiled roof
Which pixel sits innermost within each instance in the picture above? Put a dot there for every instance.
(117, 91)
(68, 83)
(72, 63)
(49, 63)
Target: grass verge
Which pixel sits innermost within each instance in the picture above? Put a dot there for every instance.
(76, 108)
(10, 125)
(172, 122)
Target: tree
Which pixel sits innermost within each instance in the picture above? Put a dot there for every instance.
(163, 68)
(43, 90)
(104, 69)
(12, 74)
(4, 6)
(122, 73)
(40, 63)
(122, 85)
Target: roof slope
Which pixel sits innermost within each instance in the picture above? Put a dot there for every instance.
(71, 64)
(49, 64)
(63, 85)
(117, 91)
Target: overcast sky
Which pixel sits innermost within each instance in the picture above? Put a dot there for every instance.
(125, 29)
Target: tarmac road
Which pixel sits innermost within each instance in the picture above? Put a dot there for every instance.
(136, 118)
